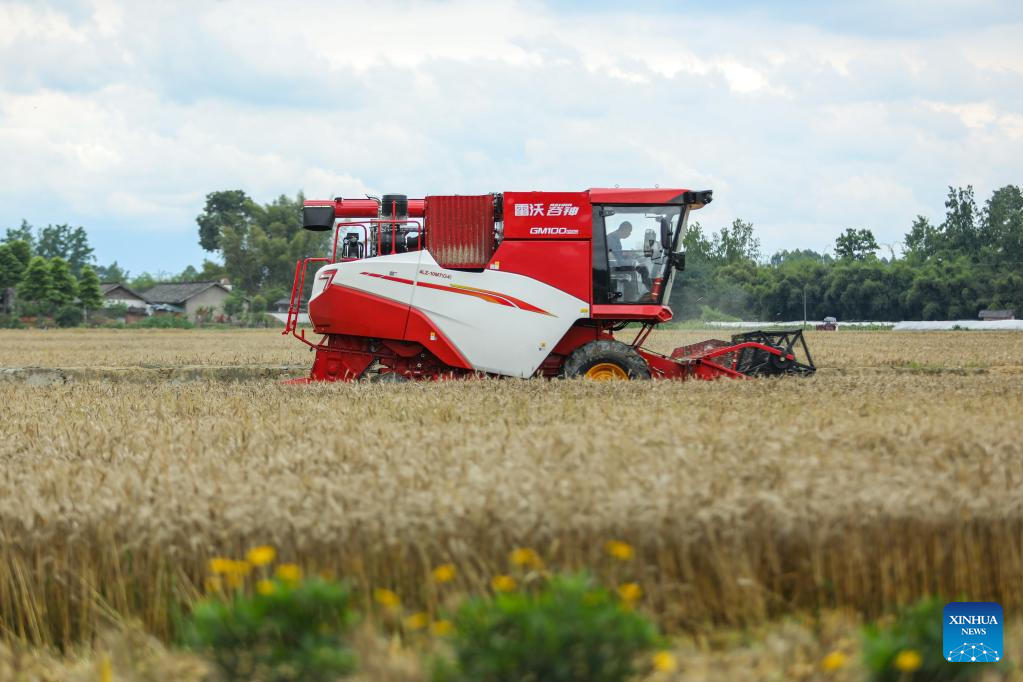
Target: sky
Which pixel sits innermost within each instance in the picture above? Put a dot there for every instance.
(805, 118)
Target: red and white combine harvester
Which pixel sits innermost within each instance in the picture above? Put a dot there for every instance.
(519, 284)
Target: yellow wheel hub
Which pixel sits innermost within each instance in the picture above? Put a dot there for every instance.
(606, 371)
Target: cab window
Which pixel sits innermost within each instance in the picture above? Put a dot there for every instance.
(633, 253)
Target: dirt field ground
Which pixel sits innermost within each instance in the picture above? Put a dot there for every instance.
(894, 473)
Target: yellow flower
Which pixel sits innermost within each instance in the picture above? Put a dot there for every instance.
(442, 628)
(106, 670)
(417, 621)
(213, 584)
(908, 661)
(833, 661)
(444, 573)
(262, 555)
(289, 573)
(664, 662)
(523, 556)
(220, 565)
(630, 593)
(620, 550)
(266, 587)
(503, 583)
(234, 579)
(386, 598)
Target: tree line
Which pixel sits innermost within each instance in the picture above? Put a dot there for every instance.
(50, 273)
(971, 260)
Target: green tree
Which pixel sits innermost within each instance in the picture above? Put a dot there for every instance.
(21, 250)
(67, 243)
(88, 289)
(63, 288)
(229, 209)
(234, 305)
(736, 243)
(960, 228)
(695, 243)
(35, 282)
(1003, 226)
(855, 244)
(923, 240)
(21, 234)
(11, 267)
(258, 244)
(112, 273)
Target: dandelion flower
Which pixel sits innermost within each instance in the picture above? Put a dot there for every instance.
(106, 669)
(442, 628)
(630, 593)
(620, 550)
(386, 598)
(503, 583)
(444, 573)
(262, 555)
(213, 584)
(417, 621)
(664, 662)
(833, 661)
(289, 573)
(523, 556)
(266, 587)
(220, 565)
(908, 661)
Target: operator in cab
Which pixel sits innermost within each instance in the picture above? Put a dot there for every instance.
(616, 256)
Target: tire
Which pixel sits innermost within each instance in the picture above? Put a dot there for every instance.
(603, 360)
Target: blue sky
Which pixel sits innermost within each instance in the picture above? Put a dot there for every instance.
(804, 117)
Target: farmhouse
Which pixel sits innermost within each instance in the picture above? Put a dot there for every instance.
(115, 293)
(188, 297)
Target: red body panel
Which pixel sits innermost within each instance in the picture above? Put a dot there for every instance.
(547, 215)
(602, 195)
(363, 208)
(340, 310)
(661, 313)
(564, 265)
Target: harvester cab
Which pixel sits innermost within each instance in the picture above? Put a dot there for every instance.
(514, 284)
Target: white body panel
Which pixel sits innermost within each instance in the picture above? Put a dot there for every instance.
(500, 322)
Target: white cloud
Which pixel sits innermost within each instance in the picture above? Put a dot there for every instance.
(122, 116)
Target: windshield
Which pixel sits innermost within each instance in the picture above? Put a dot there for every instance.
(638, 242)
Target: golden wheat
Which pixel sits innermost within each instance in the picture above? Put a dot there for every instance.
(743, 499)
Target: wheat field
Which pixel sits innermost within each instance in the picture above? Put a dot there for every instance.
(893, 473)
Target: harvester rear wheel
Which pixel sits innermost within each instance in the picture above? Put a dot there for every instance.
(605, 361)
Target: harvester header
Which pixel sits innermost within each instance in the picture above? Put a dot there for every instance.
(514, 284)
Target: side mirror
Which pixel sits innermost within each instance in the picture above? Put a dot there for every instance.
(665, 233)
(649, 239)
(678, 260)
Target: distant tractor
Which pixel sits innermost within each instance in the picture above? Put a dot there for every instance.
(514, 284)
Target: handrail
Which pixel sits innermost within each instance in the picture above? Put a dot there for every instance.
(295, 303)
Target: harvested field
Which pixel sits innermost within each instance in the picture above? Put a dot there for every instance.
(893, 473)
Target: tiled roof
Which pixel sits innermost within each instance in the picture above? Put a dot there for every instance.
(106, 287)
(176, 293)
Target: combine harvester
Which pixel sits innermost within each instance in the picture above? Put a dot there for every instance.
(519, 284)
